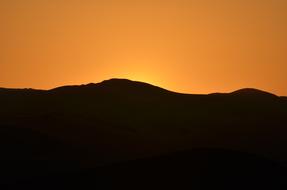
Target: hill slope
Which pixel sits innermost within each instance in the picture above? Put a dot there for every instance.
(120, 120)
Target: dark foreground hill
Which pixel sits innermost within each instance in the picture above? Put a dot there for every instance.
(98, 129)
(196, 169)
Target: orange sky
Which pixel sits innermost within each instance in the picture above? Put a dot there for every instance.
(192, 46)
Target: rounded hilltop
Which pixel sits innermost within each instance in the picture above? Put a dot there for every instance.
(252, 92)
(114, 85)
(118, 84)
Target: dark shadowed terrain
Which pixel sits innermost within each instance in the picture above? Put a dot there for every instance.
(121, 133)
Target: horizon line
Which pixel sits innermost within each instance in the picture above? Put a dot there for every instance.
(85, 84)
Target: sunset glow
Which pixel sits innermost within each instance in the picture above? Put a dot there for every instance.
(190, 46)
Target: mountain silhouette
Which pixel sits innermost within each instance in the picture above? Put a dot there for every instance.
(113, 86)
(252, 92)
(98, 128)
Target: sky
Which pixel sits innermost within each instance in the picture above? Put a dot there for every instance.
(189, 46)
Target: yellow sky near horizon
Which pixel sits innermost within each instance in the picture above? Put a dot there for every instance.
(190, 46)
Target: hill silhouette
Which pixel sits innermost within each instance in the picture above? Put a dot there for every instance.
(252, 92)
(99, 127)
(196, 169)
(118, 86)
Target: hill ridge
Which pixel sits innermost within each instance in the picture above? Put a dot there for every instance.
(121, 84)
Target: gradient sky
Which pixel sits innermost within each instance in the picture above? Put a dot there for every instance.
(191, 46)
